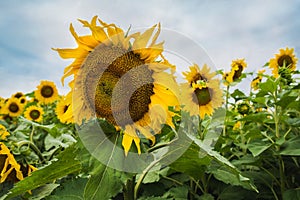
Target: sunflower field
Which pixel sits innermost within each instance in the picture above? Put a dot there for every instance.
(127, 129)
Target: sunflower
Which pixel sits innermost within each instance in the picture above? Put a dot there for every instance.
(122, 78)
(23, 100)
(285, 59)
(257, 80)
(202, 90)
(34, 113)
(3, 132)
(46, 92)
(8, 164)
(13, 107)
(244, 108)
(17, 95)
(2, 106)
(237, 67)
(64, 110)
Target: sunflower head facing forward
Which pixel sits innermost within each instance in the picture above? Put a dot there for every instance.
(122, 78)
(13, 107)
(34, 113)
(202, 91)
(285, 59)
(46, 92)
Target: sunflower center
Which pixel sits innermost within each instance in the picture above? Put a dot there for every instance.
(238, 73)
(203, 96)
(35, 114)
(22, 101)
(285, 60)
(111, 77)
(66, 108)
(13, 107)
(47, 91)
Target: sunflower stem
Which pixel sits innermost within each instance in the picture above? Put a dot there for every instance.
(226, 109)
(129, 189)
(33, 147)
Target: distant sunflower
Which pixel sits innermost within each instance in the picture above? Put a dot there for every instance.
(64, 110)
(34, 113)
(202, 90)
(13, 107)
(23, 100)
(46, 92)
(3, 132)
(237, 68)
(244, 108)
(17, 95)
(10, 165)
(2, 106)
(101, 59)
(257, 80)
(285, 59)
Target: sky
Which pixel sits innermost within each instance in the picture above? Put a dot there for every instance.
(225, 30)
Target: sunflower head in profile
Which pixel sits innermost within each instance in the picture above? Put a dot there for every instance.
(237, 68)
(257, 79)
(64, 110)
(285, 59)
(46, 92)
(17, 95)
(3, 132)
(123, 78)
(202, 90)
(34, 113)
(10, 168)
(13, 107)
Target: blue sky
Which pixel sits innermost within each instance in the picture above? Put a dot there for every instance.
(227, 30)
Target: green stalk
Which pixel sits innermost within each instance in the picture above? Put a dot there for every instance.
(129, 189)
(226, 109)
(33, 147)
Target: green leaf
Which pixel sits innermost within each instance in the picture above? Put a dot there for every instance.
(193, 162)
(104, 182)
(291, 194)
(258, 146)
(63, 166)
(43, 191)
(223, 169)
(291, 147)
(268, 86)
(285, 101)
(237, 95)
(69, 190)
(206, 196)
(178, 193)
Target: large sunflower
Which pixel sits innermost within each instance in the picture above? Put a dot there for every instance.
(34, 113)
(9, 165)
(202, 91)
(46, 92)
(13, 107)
(118, 77)
(285, 59)
(64, 110)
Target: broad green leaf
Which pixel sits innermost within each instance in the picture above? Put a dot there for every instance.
(69, 190)
(285, 101)
(293, 194)
(291, 147)
(104, 182)
(268, 86)
(193, 162)
(65, 164)
(42, 192)
(206, 196)
(237, 94)
(178, 193)
(258, 146)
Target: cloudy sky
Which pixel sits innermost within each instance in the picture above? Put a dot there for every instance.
(226, 30)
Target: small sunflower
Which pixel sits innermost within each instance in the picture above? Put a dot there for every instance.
(202, 90)
(285, 59)
(109, 65)
(17, 95)
(13, 107)
(3, 132)
(257, 80)
(9, 166)
(237, 67)
(23, 100)
(237, 126)
(34, 113)
(46, 92)
(244, 108)
(64, 110)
